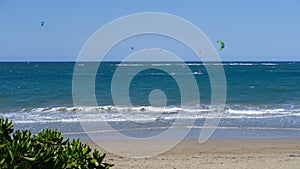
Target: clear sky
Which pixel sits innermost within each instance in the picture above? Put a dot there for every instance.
(256, 30)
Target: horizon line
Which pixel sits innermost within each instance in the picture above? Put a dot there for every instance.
(72, 61)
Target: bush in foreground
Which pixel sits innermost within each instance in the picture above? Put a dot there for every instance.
(47, 150)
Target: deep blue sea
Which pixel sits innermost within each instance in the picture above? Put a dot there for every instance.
(260, 96)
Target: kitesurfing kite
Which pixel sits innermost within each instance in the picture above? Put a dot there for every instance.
(199, 52)
(42, 23)
(132, 48)
(222, 44)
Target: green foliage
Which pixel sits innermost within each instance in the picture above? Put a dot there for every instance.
(47, 150)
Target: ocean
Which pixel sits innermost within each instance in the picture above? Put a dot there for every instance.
(263, 98)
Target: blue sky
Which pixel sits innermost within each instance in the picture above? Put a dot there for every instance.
(253, 30)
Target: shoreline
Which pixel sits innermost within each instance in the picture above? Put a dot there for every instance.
(215, 153)
(219, 133)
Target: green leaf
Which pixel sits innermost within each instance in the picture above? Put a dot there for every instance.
(2, 161)
(93, 161)
(11, 155)
(30, 158)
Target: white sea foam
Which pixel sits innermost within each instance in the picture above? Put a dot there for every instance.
(112, 109)
(197, 73)
(160, 64)
(141, 113)
(258, 112)
(269, 64)
(241, 64)
(130, 64)
(195, 64)
(172, 109)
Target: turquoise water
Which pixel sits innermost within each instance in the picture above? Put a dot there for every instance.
(259, 95)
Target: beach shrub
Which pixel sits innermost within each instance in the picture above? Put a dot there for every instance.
(46, 150)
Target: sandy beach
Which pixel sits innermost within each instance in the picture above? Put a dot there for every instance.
(218, 153)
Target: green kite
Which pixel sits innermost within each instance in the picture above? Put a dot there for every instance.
(222, 44)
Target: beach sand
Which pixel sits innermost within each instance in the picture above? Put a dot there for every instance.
(217, 153)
